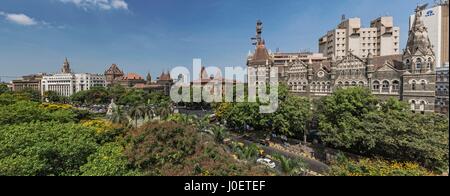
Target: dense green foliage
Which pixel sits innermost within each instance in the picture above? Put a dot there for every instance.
(290, 119)
(109, 160)
(52, 96)
(355, 121)
(96, 95)
(44, 148)
(3, 88)
(122, 96)
(26, 111)
(376, 167)
(48, 140)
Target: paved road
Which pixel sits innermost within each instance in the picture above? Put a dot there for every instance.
(313, 165)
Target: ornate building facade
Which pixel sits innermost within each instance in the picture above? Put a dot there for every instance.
(113, 73)
(410, 77)
(67, 83)
(28, 82)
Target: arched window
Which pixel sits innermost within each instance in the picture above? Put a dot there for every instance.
(413, 85)
(313, 86)
(385, 86)
(408, 64)
(395, 86)
(347, 84)
(422, 106)
(360, 83)
(418, 63)
(429, 62)
(423, 83)
(413, 105)
(353, 83)
(376, 85)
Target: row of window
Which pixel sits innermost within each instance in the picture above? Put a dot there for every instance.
(376, 85)
(353, 83)
(414, 85)
(385, 86)
(320, 87)
(421, 105)
(420, 63)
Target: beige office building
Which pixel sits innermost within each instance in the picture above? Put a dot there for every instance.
(382, 38)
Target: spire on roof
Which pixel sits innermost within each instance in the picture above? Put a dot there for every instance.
(418, 39)
(149, 78)
(66, 67)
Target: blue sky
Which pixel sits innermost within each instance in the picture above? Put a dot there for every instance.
(153, 35)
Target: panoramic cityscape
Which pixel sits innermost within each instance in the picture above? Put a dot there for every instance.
(371, 100)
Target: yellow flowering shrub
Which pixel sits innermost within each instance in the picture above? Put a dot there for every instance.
(376, 167)
(53, 106)
(100, 125)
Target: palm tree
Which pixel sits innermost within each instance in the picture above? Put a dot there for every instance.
(219, 133)
(137, 113)
(291, 167)
(164, 110)
(150, 112)
(119, 116)
(245, 152)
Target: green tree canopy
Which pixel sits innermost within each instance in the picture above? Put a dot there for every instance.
(52, 96)
(97, 95)
(109, 160)
(44, 148)
(3, 88)
(290, 119)
(26, 111)
(355, 121)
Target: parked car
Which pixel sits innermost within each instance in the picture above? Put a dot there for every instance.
(267, 162)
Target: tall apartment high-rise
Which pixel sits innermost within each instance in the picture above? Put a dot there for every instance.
(382, 38)
(435, 19)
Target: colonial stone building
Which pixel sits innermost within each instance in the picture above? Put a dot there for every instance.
(410, 77)
(28, 82)
(162, 84)
(442, 96)
(112, 74)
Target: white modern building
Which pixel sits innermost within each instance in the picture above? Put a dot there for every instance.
(67, 83)
(382, 38)
(436, 20)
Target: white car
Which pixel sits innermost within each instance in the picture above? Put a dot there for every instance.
(267, 162)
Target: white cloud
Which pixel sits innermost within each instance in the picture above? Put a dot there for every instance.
(20, 19)
(23, 19)
(99, 4)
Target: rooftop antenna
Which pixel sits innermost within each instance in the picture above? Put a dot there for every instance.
(343, 17)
